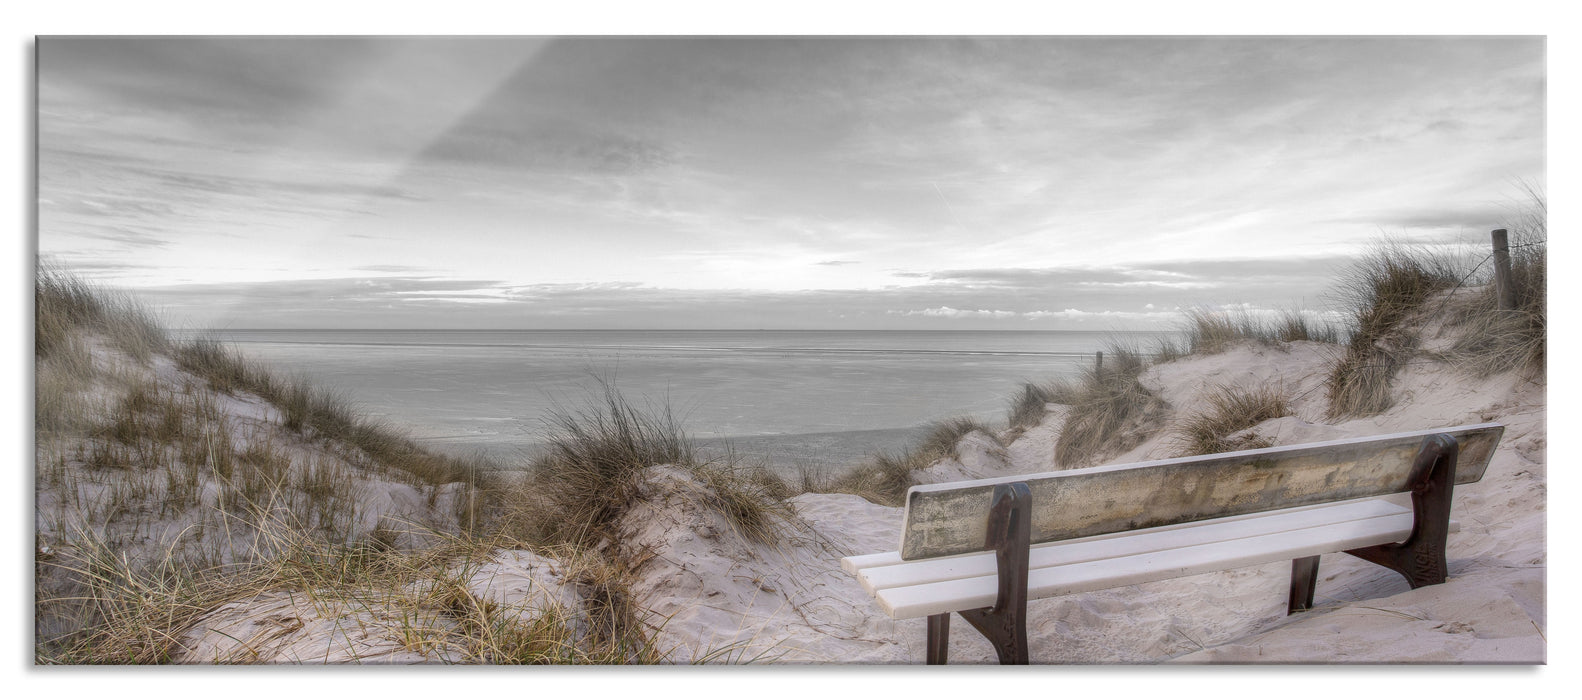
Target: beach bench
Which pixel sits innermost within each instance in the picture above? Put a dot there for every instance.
(983, 548)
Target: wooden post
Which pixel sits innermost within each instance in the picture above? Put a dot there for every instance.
(1504, 285)
(1098, 365)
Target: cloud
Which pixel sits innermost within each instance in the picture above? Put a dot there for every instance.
(1480, 216)
(1252, 276)
(552, 148)
(253, 80)
(1080, 315)
(947, 312)
(837, 263)
(390, 268)
(123, 235)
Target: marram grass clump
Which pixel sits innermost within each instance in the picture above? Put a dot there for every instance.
(1030, 404)
(1229, 410)
(1492, 339)
(1383, 290)
(598, 457)
(325, 415)
(1110, 412)
(885, 477)
(594, 464)
(65, 306)
(1209, 331)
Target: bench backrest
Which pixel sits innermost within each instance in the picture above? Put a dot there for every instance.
(946, 519)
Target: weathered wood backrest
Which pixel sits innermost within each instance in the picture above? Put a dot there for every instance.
(947, 519)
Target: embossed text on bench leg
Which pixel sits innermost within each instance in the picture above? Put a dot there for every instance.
(1421, 558)
(1010, 533)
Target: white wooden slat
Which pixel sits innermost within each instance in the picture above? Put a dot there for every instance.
(860, 562)
(949, 596)
(1135, 543)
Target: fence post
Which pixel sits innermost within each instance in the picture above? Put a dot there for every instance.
(1098, 363)
(1504, 285)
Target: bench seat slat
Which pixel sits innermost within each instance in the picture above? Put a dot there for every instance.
(860, 562)
(977, 592)
(1139, 542)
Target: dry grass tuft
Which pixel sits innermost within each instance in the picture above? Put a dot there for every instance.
(1110, 411)
(885, 478)
(605, 629)
(1293, 326)
(1209, 331)
(597, 460)
(1168, 350)
(125, 612)
(1494, 340)
(595, 463)
(60, 384)
(67, 311)
(325, 415)
(943, 436)
(1382, 290)
(64, 306)
(1028, 407)
(1231, 410)
(751, 498)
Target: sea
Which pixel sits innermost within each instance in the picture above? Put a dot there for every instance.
(792, 400)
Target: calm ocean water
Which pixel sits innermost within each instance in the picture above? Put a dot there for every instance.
(825, 399)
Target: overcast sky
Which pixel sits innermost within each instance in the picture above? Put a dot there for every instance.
(1040, 183)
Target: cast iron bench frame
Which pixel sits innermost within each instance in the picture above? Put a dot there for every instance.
(1277, 481)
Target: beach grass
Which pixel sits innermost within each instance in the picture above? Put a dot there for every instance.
(1030, 404)
(1382, 290)
(149, 611)
(64, 305)
(594, 464)
(886, 476)
(1110, 410)
(324, 414)
(1210, 331)
(1492, 339)
(598, 456)
(1228, 410)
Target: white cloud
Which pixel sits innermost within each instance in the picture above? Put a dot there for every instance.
(947, 312)
(1080, 315)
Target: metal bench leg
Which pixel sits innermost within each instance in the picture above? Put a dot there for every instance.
(1010, 528)
(938, 638)
(1421, 558)
(1304, 578)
